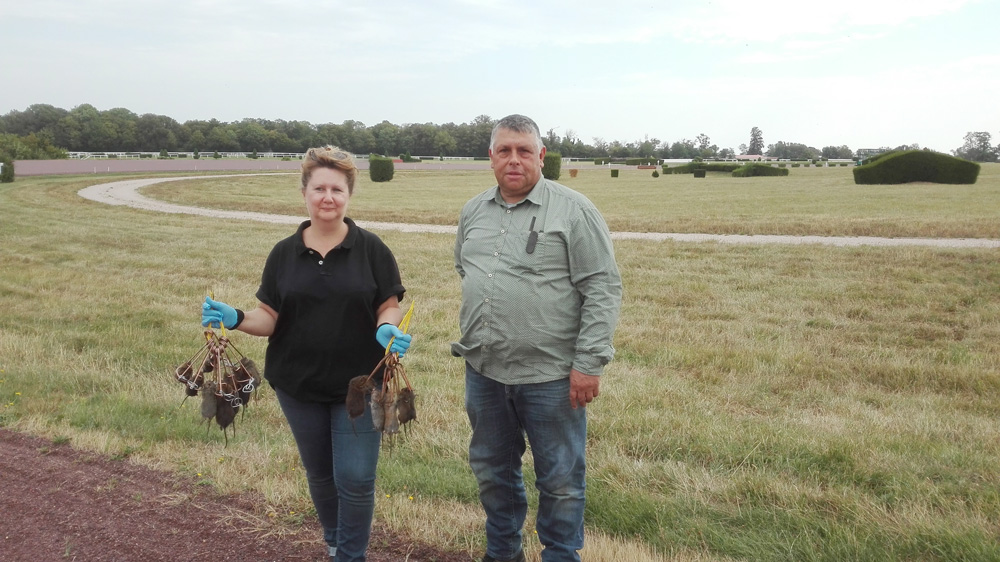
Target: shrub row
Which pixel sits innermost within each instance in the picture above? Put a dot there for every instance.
(751, 170)
(916, 165)
(707, 166)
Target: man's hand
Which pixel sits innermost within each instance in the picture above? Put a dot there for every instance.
(583, 388)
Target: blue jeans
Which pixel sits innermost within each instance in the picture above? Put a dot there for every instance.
(340, 459)
(501, 416)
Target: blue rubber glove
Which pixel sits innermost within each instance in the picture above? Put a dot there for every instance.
(215, 312)
(386, 332)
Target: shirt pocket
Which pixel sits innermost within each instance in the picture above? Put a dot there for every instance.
(548, 253)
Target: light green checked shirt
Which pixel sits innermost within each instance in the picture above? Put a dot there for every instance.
(529, 317)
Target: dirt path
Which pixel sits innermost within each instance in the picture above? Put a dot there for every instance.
(126, 193)
(58, 503)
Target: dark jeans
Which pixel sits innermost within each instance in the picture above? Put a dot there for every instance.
(501, 416)
(340, 459)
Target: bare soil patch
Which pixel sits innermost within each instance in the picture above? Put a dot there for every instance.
(59, 503)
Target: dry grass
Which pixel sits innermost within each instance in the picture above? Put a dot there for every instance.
(765, 403)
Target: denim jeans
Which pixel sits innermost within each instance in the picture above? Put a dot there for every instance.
(501, 416)
(340, 458)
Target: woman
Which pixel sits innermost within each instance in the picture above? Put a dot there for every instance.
(329, 305)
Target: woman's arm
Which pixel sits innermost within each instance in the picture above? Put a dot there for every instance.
(260, 321)
(388, 311)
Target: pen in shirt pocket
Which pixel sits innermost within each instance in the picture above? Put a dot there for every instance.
(532, 237)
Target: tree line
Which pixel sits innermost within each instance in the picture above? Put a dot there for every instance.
(45, 131)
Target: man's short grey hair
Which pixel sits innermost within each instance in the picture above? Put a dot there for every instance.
(518, 124)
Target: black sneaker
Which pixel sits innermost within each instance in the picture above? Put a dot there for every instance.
(518, 558)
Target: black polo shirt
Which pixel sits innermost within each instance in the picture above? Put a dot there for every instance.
(325, 334)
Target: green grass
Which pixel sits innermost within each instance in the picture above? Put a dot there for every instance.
(810, 201)
(765, 403)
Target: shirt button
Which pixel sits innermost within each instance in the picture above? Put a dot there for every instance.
(509, 211)
(496, 254)
(321, 262)
(490, 275)
(503, 231)
(487, 299)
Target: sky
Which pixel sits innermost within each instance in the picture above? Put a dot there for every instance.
(861, 73)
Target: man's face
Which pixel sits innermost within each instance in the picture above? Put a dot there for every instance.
(516, 160)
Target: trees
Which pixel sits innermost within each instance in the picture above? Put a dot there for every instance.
(756, 142)
(792, 151)
(444, 143)
(85, 128)
(977, 148)
(684, 149)
(386, 138)
(837, 152)
(30, 147)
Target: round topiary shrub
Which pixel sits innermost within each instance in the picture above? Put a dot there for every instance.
(916, 165)
(656, 174)
(380, 168)
(552, 165)
(6, 169)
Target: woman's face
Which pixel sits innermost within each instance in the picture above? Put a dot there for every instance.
(327, 195)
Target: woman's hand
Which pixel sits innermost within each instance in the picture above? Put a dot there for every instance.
(400, 341)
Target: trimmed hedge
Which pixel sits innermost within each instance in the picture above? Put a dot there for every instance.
(751, 170)
(552, 165)
(7, 173)
(699, 173)
(916, 165)
(879, 156)
(380, 168)
(614, 173)
(602, 161)
(707, 166)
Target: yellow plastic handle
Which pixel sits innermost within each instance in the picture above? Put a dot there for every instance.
(404, 325)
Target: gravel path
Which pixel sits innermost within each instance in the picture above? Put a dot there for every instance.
(127, 193)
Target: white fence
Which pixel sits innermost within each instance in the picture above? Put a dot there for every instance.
(205, 154)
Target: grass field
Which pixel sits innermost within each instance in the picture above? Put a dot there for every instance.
(765, 403)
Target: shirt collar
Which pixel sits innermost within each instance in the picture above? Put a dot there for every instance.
(535, 196)
(348, 243)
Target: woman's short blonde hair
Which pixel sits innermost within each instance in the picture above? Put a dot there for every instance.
(331, 157)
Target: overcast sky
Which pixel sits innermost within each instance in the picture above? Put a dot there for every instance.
(861, 73)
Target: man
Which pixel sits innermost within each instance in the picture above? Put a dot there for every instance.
(540, 299)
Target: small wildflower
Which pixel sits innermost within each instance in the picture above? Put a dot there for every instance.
(388, 495)
(411, 498)
(17, 394)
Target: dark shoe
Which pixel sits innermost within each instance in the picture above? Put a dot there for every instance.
(518, 558)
